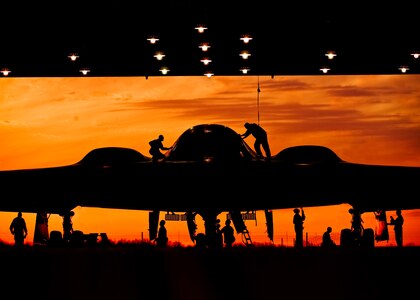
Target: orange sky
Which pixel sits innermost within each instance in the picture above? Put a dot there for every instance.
(56, 121)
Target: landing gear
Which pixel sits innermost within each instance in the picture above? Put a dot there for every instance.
(41, 235)
(67, 225)
(357, 235)
(211, 236)
(366, 240)
(210, 226)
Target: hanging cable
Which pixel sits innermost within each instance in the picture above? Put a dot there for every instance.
(258, 100)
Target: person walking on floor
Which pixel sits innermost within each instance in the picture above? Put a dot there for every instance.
(19, 230)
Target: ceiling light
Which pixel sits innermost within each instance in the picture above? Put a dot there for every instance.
(244, 70)
(403, 69)
(73, 56)
(245, 54)
(246, 39)
(206, 61)
(5, 71)
(84, 71)
(204, 46)
(330, 54)
(416, 54)
(324, 70)
(200, 28)
(153, 40)
(159, 55)
(164, 70)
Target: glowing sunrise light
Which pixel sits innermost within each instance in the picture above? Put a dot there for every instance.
(208, 74)
(324, 70)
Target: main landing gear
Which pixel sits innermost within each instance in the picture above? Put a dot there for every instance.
(357, 235)
(207, 239)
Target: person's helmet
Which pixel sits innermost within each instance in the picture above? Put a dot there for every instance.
(162, 222)
(246, 125)
(329, 229)
(161, 137)
(296, 210)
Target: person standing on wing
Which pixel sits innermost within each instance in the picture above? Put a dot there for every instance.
(261, 139)
(155, 147)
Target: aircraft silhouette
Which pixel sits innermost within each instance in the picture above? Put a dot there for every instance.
(210, 169)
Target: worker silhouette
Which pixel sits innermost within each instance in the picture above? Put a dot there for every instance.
(398, 227)
(228, 234)
(327, 241)
(261, 139)
(162, 237)
(19, 230)
(298, 223)
(156, 146)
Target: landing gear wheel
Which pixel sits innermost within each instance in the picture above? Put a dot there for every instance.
(368, 238)
(346, 238)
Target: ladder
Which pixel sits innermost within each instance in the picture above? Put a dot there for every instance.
(246, 237)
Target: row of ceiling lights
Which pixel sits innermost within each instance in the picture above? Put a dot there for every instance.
(205, 47)
(206, 60)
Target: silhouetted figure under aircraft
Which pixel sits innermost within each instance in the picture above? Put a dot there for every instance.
(398, 227)
(162, 237)
(298, 220)
(327, 241)
(19, 230)
(228, 234)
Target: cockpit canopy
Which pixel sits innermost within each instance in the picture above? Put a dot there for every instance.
(210, 142)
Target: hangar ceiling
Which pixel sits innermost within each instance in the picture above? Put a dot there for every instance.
(111, 38)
